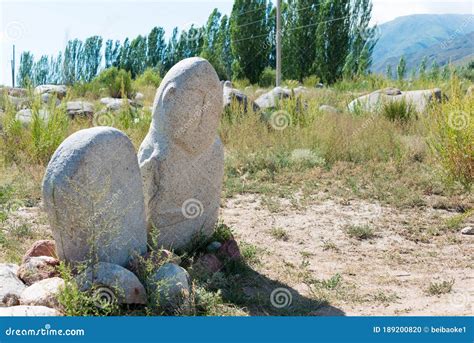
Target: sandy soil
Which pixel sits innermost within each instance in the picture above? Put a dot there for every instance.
(386, 275)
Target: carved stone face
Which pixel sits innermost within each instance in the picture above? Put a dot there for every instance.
(188, 105)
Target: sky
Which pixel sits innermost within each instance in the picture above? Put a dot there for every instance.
(44, 27)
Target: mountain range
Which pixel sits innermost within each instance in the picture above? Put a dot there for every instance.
(442, 38)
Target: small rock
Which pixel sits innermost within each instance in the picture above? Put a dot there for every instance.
(59, 90)
(115, 104)
(79, 108)
(110, 281)
(44, 247)
(38, 268)
(328, 109)
(172, 284)
(18, 92)
(234, 95)
(46, 98)
(11, 299)
(470, 91)
(214, 246)
(230, 250)
(139, 97)
(468, 230)
(25, 116)
(19, 103)
(300, 90)
(208, 264)
(10, 284)
(271, 98)
(43, 293)
(29, 311)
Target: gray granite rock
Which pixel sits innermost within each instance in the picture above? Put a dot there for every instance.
(79, 108)
(115, 104)
(25, 116)
(171, 284)
(59, 90)
(93, 195)
(19, 103)
(10, 284)
(43, 293)
(328, 109)
(213, 246)
(18, 92)
(46, 99)
(182, 157)
(232, 94)
(271, 98)
(420, 99)
(110, 281)
(28, 311)
(38, 268)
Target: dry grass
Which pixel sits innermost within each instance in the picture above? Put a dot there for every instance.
(408, 165)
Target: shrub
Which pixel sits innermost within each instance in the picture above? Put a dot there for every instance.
(438, 288)
(150, 77)
(117, 81)
(291, 83)
(452, 137)
(360, 232)
(401, 110)
(48, 133)
(311, 81)
(268, 77)
(240, 83)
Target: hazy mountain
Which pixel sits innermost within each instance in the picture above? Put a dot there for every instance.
(444, 37)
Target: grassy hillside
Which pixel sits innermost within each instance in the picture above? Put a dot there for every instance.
(424, 34)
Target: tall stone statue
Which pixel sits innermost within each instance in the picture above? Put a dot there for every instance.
(182, 158)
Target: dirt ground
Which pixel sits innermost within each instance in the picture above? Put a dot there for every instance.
(305, 248)
(387, 275)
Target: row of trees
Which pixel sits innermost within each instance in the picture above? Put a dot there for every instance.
(327, 38)
(422, 72)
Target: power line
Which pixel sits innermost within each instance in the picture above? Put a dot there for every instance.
(254, 10)
(253, 22)
(292, 29)
(252, 37)
(321, 22)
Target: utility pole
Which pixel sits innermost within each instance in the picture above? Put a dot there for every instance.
(278, 42)
(13, 67)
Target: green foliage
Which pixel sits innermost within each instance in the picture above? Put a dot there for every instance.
(268, 77)
(91, 58)
(25, 72)
(328, 38)
(75, 302)
(439, 288)
(452, 138)
(401, 68)
(222, 233)
(249, 35)
(401, 111)
(150, 77)
(360, 232)
(47, 133)
(311, 81)
(117, 81)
